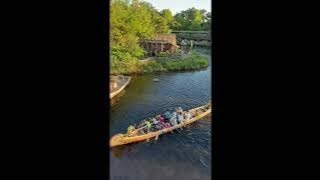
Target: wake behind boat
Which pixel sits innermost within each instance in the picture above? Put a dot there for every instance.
(140, 135)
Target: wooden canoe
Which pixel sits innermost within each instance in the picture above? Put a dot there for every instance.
(127, 81)
(120, 139)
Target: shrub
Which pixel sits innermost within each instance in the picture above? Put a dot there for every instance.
(133, 66)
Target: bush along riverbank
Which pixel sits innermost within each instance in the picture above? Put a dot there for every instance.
(193, 61)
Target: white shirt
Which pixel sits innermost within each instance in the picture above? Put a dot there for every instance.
(188, 115)
(174, 115)
(180, 118)
(154, 120)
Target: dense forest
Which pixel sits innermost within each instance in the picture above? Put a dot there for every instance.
(134, 20)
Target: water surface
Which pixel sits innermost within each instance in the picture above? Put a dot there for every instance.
(185, 154)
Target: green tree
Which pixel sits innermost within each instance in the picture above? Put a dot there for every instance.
(207, 22)
(179, 22)
(191, 19)
(133, 20)
(160, 24)
(128, 24)
(167, 15)
(195, 19)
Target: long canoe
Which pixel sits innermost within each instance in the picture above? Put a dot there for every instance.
(127, 81)
(121, 139)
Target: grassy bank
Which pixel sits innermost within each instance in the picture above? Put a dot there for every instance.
(192, 62)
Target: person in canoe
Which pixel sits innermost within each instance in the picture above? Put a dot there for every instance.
(148, 126)
(158, 126)
(157, 118)
(167, 116)
(161, 123)
(130, 129)
(197, 112)
(173, 120)
(167, 125)
(180, 118)
(162, 119)
(143, 123)
(188, 115)
(155, 122)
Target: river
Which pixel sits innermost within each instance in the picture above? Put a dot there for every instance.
(185, 154)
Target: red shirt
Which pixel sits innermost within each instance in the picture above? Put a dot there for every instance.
(161, 119)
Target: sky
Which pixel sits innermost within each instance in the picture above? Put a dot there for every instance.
(180, 5)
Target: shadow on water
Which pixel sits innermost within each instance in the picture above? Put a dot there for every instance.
(117, 98)
(118, 151)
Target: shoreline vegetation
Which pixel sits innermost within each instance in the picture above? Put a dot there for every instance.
(131, 21)
(194, 61)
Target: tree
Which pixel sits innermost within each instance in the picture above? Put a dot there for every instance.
(189, 19)
(167, 15)
(196, 19)
(133, 20)
(128, 24)
(161, 25)
(179, 22)
(192, 19)
(207, 22)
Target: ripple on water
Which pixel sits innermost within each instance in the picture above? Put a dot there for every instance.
(172, 154)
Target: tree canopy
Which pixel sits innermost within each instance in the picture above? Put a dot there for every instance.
(192, 19)
(134, 20)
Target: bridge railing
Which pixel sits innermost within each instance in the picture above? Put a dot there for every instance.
(192, 32)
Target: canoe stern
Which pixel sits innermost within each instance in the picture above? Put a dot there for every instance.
(117, 140)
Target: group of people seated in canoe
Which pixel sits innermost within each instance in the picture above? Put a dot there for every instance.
(166, 120)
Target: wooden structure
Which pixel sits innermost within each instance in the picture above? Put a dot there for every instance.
(199, 38)
(117, 84)
(160, 43)
(136, 135)
(170, 38)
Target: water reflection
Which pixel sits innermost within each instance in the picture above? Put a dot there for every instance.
(118, 151)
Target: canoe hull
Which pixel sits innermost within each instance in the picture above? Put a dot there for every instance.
(119, 139)
(120, 89)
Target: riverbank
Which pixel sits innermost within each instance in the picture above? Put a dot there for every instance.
(162, 64)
